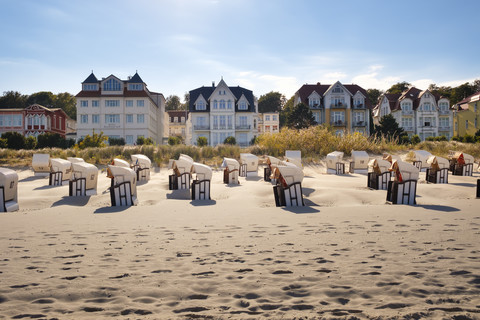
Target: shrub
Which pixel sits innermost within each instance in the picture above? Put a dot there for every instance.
(3, 143)
(30, 142)
(50, 140)
(430, 139)
(15, 140)
(116, 141)
(94, 141)
(174, 140)
(456, 138)
(415, 139)
(202, 141)
(230, 140)
(468, 138)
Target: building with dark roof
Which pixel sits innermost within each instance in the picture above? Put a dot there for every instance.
(120, 109)
(343, 106)
(466, 116)
(423, 113)
(218, 112)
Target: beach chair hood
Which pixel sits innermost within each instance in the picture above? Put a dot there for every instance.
(294, 156)
(290, 173)
(87, 171)
(203, 171)
(379, 166)
(404, 170)
(122, 174)
(120, 163)
(360, 158)
(438, 162)
(9, 182)
(230, 164)
(141, 160)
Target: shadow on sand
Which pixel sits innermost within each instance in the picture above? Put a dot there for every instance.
(183, 194)
(110, 209)
(438, 208)
(72, 201)
(202, 203)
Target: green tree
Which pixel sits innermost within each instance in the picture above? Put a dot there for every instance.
(230, 140)
(116, 141)
(271, 102)
(43, 98)
(287, 107)
(13, 99)
(3, 143)
(96, 140)
(50, 140)
(415, 139)
(373, 95)
(399, 87)
(299, 117)
(67, 103)
(202, 141)
(389, 128)
(15, 140)
(30, 142)
(186, 102)
(172, 103)
(174, 140)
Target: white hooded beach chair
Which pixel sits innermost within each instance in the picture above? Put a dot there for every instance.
(272, 163)
(438, 170)
(8, 190)
(359, 163)
(123, 190)
(141, 164)
(41, 164)
(334, 163)
(403, 189)
(248, 163)
(120, 163)
(83, 181)
(379, 174)
(461, 164)
(288, 191)
(201, 184)
(60, 171)
(294, 156)
(420, 158)
(75, 160)
(180, 179)
(230, 173)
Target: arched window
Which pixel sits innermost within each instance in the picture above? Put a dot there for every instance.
(112, 85)
(222, 104)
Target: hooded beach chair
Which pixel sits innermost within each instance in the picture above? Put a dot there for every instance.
(180, 179)
(60, 172)
(438, 170)
(420, 158)
(379, 174)
(83, 181)
(403, 189)
(294, 156)
(288, 191)
(230, 173)
(334, 163)
(141, 164)
(8, 190)
(41, 164)
(272, 163)
(461, 164)
(201, 184)
(248, 163)
(359, 163)
(123, 189)
(75, 160)
(120, 163)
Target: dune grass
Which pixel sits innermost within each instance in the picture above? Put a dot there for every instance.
(314, 143)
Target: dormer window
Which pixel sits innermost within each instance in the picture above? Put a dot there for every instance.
(135, 86)
(313, 102)
(112, 85)
(242, 105)
(90, 87)
(337, 89)
(201, 105)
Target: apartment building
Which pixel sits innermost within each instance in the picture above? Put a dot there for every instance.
(268, 122)
(177, 123)
(120, 109)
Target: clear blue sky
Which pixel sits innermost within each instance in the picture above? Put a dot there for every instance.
(263, 45)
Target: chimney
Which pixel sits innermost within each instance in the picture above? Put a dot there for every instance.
(213, 84)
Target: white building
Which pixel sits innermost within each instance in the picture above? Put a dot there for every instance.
(417, 112)
(269, 122)
(218, 112)
(120, 109)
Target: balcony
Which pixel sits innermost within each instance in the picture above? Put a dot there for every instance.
(444, 112)
(407, 112)
(338, 123)
(338, 105)
(222, 127)
(444, 127)
(408, 128)
(359, 123)
(201, 127)
(315, 106)
(243, 127)
(359, 106)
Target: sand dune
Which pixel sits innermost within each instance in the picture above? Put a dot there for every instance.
(348, 254)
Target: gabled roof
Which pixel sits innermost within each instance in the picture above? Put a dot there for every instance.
(208, 91)
(307, 89)
(91, 79)
(135, 79)
(474, 97)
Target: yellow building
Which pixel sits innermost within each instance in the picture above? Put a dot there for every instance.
(467, 116)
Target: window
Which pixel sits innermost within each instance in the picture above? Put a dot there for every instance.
(223, 122)
(316, 117)
(201, 122)
(426, 106)
(443, 122)
(112, 118)
(229, 104)
(275, 128)
(267, 118)
(222, 104)
(267, 128)
(274, 118)
(129, 118)
(313, 101)
(140, 103)
(36, 120)
(337, 89)
(140, 118)
(407, 122)
(466, 124)
(17, 120)
(112, 103)
(83, 103)
(90, 87)
(112, 85)
(338, 117)
(230, 122)
(201, 105)
(84, 118)
(129, 103)
(242, 105)
(338, 101)
(359, 117)
(135, 86)
(95, 103)
(215, 104)
(407, 106)
(443, 106)
(95, 118)
(242, 121)
(129, 139)
(215, 122)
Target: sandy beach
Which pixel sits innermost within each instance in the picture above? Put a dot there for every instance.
(347, 255)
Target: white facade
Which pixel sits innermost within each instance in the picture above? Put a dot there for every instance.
(219, 112)
(120, 109)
